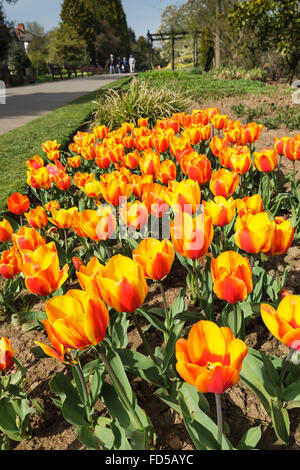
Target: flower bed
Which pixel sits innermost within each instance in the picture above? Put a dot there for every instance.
(129, 210)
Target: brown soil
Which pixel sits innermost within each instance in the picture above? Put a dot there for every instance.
(240, 406)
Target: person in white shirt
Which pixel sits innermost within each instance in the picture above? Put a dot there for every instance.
(132, 64)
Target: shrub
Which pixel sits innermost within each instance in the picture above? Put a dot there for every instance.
(140, 100)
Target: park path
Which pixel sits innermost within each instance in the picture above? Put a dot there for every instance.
(28, 102)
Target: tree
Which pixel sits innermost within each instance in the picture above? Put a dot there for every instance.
(76, 15)
(106, 43)
(268, 25)
(38, 48)
(4, 36)
(111, 11)
(66, 46)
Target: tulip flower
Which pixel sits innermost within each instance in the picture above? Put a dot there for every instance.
(166, 171)
(282, 237)
(250, 133)
(34, 163)
(93, 189)
(77, 262)
(41, 270)
(156, 257)
(58, 350)
(284, 323)
(237, 158)
(178, 145)
(97, 224)
(6, 354)
(254, 233)
(52, 205)
(123, 285)
(77, 319)
(249, 205)
(217, 144)
(80, 179)
(154, 199)
(37, 218)
(39, 179)
(88, 276)
(74, 162)
(116, 190)
(211, 358)
(232, 277)
(161, 140)
(10, 263)
(280, 143)
(102, 159)
(149, 162)
(224, 182)
(18, 204)
(197, 167)
(265, 160)
(50, 145)
(138, 182)
(27, 239)
(143, 122)
(218, 120)
(232, 131)
(62, 218)
(131, 160)
(6, 231)
(53, 155)
(100, 132)
(134, 215)
(185, 196)
(221, 210)
(191, 236)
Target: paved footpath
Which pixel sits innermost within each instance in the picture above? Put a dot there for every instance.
(28, 102)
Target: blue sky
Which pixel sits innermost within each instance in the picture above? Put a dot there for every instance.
(141, 14)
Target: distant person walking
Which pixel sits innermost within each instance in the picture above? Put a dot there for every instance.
(132, 64)
(124, 65)
(119, 65)
(112, 64)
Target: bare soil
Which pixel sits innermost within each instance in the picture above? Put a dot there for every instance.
(240, 406)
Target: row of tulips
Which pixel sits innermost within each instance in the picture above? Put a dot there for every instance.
(191, 190)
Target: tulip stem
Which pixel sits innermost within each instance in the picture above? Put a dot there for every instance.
(219, 418)
(235, 320)
(143, 338)
(66, 241)
(162, 290)
(121, 392)
(21, 220)
(195, 277)
(285, 365)
(86, 400)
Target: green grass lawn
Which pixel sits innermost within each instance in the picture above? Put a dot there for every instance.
(18, 145)
(203, 85)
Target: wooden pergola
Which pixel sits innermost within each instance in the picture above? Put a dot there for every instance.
(172, 36)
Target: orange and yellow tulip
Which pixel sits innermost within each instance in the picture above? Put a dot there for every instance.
(197, 167)
(134, 215)
(284, 323)
(282, 237)
(232, 277)
(88, 276)
(123, 285)
(265, 160)
(100, 132)
(221, 210)
(218, 120)
(62, 218)
(52, 205)
(77, 319)
(237, 158)
(211, 358)
(149, 162)
(37, 218)
(34, 163)
(184, 196)
(27, 238)
(166, 171)
(191, 236)
(6, 354)
(6, 230)
(116, 190)
(254, 233)
(156, 257)
(58, 350)
(10, 263)
(41, 270)
(74, 162)
(250, 133)
(153, 197)
(39, 179)
(249, 205)
(50, 146)
(224, 182)
(18, 204)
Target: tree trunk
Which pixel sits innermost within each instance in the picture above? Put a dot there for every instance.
(218, 35)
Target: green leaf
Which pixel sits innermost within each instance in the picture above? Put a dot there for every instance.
(153, 320)
(119, 336)
(170, 346)
(250, 439)
(71, 405)
(292, 392)
(281, 421)
(140, 365)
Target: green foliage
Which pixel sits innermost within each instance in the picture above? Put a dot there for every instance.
(4, 36)
(140, 100)
(66, 46)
